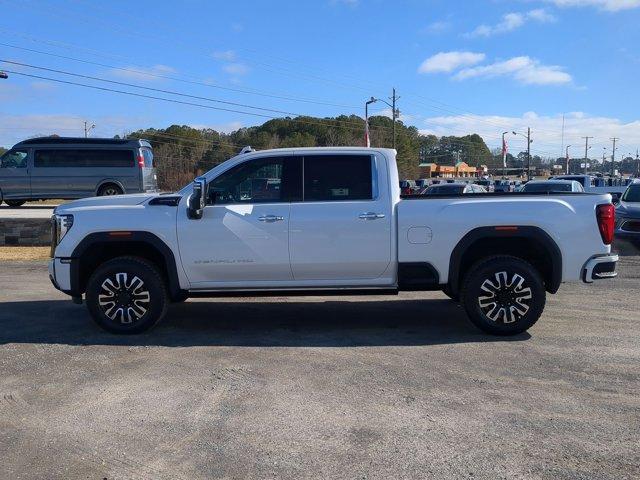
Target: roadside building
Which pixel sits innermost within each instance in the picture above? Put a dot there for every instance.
(463, 170)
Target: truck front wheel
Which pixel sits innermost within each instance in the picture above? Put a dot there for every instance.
(503, 295)
(126, 295)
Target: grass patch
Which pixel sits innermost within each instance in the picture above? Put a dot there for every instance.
(23, 253)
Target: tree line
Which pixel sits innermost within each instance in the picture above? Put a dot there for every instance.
(182, 151)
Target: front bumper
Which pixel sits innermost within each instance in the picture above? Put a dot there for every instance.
(60, 274)
(600, 268)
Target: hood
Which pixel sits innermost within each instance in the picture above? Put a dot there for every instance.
(105, 202)
(628, 209)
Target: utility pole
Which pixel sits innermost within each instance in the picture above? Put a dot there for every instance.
(88, 129)
(586, 152)
(613, 156)
(528, 153)
(637, 164)
(567, 157)
(394, 115)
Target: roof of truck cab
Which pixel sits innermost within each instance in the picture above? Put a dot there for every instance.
(321, 150)
(82, 141)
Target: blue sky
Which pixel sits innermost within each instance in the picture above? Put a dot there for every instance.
(460, 67)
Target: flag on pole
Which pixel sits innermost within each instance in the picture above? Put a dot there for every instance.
(505, 149)
(367, 141)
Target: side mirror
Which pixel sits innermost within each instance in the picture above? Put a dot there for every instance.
(198, 198)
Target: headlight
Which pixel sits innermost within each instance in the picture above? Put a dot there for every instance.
(60, 225)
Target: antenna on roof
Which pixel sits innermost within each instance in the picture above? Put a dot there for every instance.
(246, 149)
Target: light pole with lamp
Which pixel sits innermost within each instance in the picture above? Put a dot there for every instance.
(367, 141)
(528, 137)
(504, 156)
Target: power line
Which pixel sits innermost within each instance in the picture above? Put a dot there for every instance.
(183, 80)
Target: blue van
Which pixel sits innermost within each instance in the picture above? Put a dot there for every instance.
(69, 168)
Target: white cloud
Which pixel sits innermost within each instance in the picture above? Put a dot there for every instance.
(523, 69)
(445, 62)
(512, 21)
(236, 69)
(608, 5)
(546, 131)
(148, 74)
(227, 55)
(437, 27)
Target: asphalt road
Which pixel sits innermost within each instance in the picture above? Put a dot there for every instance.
(26, 211)
(366, 387)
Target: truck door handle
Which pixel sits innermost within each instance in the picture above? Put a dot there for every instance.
(270, 218)
(370, 216)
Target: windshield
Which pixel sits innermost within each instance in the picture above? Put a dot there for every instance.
(547, 187)
(632, 194)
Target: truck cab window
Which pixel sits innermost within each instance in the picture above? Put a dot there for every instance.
(338, 178)
(257, 181)
(14, 159)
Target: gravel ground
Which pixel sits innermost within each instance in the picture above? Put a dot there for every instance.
(363, 387)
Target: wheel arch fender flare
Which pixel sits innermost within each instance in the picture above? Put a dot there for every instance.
(98, 239)
(530, 233)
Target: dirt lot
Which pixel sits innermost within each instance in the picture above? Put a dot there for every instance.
(374, 387)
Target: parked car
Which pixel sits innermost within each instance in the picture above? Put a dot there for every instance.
(486, 184)
(408, 187)
(68, 168)
(338, 223)
(454, 189)
(503, 186)
(422, 183)
(552, 186)
(628, 214)
(593, 184)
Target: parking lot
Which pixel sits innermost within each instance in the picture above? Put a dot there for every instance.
(357, 387)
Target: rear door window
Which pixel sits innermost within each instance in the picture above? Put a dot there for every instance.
(59, 158)
(147, 154)
(338, 178)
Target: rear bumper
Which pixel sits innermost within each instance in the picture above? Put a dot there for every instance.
(600, 268)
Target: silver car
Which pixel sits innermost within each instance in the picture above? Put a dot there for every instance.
(68, 168)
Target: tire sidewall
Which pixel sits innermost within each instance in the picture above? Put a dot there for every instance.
(153, 283)
(487, 270)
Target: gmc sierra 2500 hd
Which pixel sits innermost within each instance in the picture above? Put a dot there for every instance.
(313, 220)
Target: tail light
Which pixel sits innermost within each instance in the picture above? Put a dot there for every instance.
(140, 159)
(606, 215)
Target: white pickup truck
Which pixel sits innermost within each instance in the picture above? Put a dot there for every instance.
(319, 220)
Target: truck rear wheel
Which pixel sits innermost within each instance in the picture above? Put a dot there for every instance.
(126, 295)
(15, 203)
(503, 295)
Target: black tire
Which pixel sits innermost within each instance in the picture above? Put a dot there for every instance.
(109, 189)
(15, 203)
(134, 307)
(447, 291)
(503, 295)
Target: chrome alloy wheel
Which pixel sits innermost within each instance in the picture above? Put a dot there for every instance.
(506, 301)
(122, 299)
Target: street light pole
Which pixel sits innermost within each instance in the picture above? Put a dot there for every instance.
(586, 152)
(613, 157)
(88, 129)
(504, 156)
(528, 137)
(367, 141)
(567, 157)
